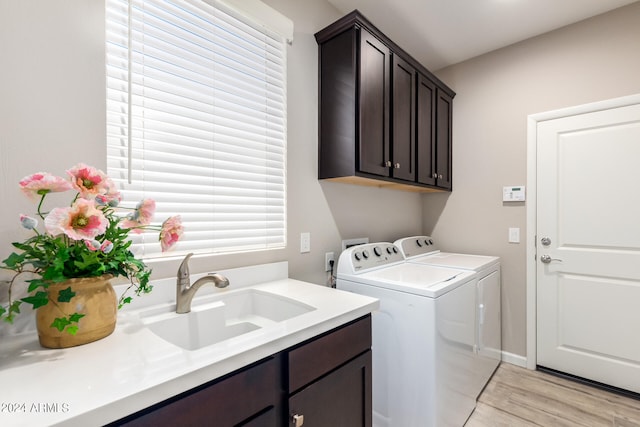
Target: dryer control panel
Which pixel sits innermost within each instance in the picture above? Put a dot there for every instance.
(365, 257)
(416, 245)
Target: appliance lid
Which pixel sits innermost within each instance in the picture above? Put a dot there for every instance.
(454, 260)
(419, 279)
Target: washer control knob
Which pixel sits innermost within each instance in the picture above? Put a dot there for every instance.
(426, 242)
(419, 243)
(377, 251)
(365, 254)
(395, 250)
(389, 250)
(356, 255)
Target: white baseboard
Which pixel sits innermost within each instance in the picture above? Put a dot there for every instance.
(514, 359)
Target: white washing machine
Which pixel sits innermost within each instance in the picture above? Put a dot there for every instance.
(487, 347)
(423, 335)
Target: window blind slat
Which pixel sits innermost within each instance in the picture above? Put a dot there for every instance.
(202, 122)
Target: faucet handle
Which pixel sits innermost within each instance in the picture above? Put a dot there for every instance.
(183, 270)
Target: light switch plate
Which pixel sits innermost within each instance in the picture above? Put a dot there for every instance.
(514, 235)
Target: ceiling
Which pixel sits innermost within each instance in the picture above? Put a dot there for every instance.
(439, 33)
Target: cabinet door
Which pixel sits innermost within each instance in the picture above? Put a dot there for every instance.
(425, 134)
(443, 139)
(374, 132)
(340, 399)
(404, 130)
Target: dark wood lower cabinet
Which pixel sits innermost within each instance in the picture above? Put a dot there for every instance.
(235, 400)
(341, 399)
(326, 380)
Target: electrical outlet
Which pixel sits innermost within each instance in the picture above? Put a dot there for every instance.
(328, 257)
(305, 242)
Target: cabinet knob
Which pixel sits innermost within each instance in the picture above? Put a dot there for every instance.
(439, 176)
(396, 166)
(435, 175)
(298, 420)
(387, 163)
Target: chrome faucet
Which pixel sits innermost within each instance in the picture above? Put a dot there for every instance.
(185, 291)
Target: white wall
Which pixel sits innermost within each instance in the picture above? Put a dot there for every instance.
(590, 61)
(52, 109)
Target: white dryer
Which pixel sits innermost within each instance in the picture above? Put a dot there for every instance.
(423, 335)
(488, 343)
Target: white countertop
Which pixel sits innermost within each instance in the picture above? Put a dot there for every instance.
(131, 369)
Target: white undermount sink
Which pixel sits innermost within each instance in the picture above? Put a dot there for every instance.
(219, 317)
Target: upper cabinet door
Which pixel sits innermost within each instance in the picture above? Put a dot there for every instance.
(426, 132)
(375, 69)
(404, 129)
(443, 139)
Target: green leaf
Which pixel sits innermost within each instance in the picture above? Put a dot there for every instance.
(37, 300)
(14, 260)
(124, 301)
(37, 283)
(14, 308)
(65, 295)
(75, 317)
(60, 323)
(72, 329)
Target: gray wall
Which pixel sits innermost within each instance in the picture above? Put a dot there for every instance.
(589, 61)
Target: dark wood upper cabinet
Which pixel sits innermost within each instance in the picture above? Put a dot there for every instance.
(403, 157)
(384, 119)
(426, 131)
(443, 139)
(375, 75)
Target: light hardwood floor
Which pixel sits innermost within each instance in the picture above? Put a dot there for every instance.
(518, 397)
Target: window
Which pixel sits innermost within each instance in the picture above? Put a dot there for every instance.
(196, 120)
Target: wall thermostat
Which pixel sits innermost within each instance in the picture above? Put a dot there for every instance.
(513, 194)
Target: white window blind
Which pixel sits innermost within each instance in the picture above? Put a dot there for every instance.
(196, 120)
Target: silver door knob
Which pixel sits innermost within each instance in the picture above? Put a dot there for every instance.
(396, 166)
(547, 259)
(387, 163)
(298, 420)
(545, 241)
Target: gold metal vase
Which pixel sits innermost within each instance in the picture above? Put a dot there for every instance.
(95, 298)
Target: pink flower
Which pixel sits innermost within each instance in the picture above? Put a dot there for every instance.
(82, 221)
(171, 232)
(89, 181)
(112, 196)
(141, 216)
(42, 183)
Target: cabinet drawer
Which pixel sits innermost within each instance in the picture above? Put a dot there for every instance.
(315, 358)
(223, 403)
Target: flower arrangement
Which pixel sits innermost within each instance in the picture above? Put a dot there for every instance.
(89, 238)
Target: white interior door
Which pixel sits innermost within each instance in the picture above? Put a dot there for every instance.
(588, 245)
